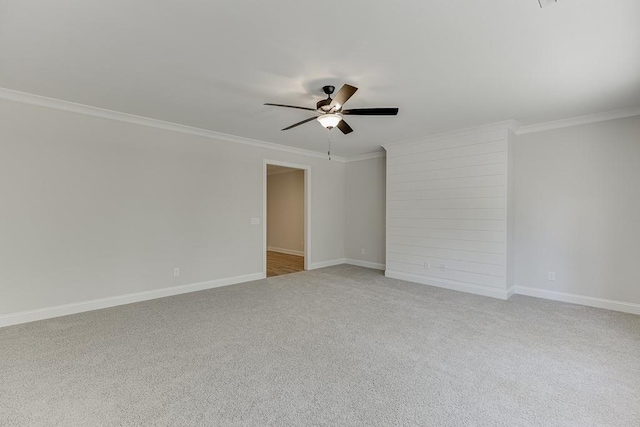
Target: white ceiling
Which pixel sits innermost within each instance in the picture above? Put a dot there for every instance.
(212, 64)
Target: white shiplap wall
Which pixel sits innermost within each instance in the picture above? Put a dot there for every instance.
(448, 215)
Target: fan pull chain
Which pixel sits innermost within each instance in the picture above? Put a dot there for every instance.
(329, 141)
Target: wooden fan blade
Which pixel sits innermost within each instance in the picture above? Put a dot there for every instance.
(343, 95)
(290, 106)
(344, 127)
(300, 123)
(371, 111)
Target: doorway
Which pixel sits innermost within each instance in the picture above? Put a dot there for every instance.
(286, 218)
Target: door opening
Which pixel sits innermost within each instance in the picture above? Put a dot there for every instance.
(286, 218)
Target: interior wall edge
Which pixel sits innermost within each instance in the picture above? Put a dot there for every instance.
(365, 211)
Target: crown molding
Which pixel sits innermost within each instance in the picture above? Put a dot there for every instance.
(580, 120)
(368, 156)
(58, 104)
(511, 125)
(516, 128)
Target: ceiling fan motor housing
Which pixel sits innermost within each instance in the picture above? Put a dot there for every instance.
(324, 104)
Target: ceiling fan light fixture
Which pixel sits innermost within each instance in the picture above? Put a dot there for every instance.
(331, 110)
(329, 120)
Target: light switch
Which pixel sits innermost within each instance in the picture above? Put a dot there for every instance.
(255, 221)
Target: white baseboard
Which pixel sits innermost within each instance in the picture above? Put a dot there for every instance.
(447, 284)
(96, 304)
(366, 264)
(625, 307)
(350, 261)
(285, 251)
(329, 263)
(511, 291)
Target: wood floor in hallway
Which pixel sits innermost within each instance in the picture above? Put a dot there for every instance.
(279, 263)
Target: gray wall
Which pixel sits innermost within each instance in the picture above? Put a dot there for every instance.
(365, 210)
(577, 210)
(94, 208)
(285, 212)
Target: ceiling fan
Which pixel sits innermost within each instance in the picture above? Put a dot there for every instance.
(331, 110)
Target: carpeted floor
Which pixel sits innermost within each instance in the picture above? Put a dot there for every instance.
(341, 346)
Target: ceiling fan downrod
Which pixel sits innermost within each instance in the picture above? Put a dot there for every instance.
(325, 104)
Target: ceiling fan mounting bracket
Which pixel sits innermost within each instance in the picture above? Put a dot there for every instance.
(324, 105)
(328, 89)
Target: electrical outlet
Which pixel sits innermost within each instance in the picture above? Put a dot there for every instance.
(551, 275)
(427, 265)
(363, 251)
(176, 272)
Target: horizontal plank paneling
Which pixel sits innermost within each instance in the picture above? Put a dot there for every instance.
(446, 153)
(456, 162)
(449, 193)
(449, 183)
(448, 254)
(482, 236)
(459, 276)
(447, 205)
(464, 172)
(434, 264)
(450, 142)
(468, 203)
(448, 213)
(461, 245)
(452, 224)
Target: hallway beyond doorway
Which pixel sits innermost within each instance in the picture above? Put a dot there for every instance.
(286, 213)
(279, 263)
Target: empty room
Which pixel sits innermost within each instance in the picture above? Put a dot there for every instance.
(360, 213)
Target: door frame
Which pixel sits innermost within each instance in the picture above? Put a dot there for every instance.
(307, 210)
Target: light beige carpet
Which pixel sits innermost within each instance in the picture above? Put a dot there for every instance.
(341, 346)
